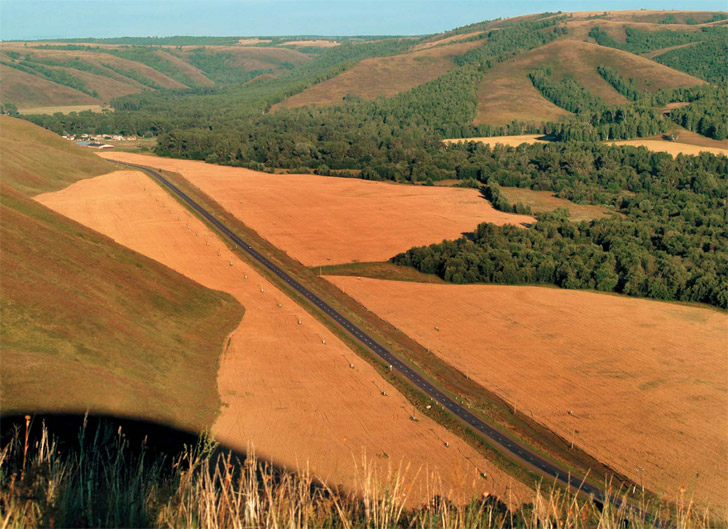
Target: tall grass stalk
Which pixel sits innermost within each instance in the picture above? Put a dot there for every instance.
(104, 482)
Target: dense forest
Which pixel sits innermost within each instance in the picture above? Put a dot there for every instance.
(390, 138)
(702, 53)
(668, 237)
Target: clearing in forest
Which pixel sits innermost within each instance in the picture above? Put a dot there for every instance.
(287, 388)
(688, 143)
(322, 220)
(638, 384)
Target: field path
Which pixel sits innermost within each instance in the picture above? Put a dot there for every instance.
(284, 391)
(322, 220)
(645, 380)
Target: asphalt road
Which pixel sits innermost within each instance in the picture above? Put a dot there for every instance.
(474, 422)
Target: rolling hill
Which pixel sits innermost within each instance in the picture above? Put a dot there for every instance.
(506, 93)
(384, 76)
(89, 325)
(61, 74)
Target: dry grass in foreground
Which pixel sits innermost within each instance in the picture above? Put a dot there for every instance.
(107, 483)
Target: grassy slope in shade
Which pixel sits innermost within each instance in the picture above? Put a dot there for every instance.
(86, 323)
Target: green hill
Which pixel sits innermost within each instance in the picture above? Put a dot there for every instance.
(86, 323)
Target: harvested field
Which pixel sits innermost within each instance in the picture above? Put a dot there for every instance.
(645, 381)
(688, 143)
(275, 377)
(693, 138)
(672, 147)
(382, 76)
(510, 141)
(328, 220)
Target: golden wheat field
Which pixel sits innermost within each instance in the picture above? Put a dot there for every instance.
(639, 384)
(275, 377)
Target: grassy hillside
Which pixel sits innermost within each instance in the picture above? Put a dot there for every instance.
(506, 93)
(55, 74)
(88, 324)
(385, 76)
(35, 160)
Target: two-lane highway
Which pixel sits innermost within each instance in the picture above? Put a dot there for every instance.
(473, 421)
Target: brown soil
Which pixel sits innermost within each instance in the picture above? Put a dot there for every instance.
(323, 220)
(275, 377)
(636, 383)
(382, 76)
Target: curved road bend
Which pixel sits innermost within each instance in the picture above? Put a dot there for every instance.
(505, 443)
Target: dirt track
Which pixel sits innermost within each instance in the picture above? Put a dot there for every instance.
(276, 376)
(645, 380)
(324, 220)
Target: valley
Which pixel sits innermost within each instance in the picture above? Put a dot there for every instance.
(471, 278)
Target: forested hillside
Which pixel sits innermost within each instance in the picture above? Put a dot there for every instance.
(668, 238)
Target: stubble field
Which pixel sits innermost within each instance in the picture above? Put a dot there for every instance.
(645, 381)
(323, 220)
(292, 397)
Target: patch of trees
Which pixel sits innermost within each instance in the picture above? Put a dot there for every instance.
(705, 57)
(154, 58)
(669, 240)
(707, 114)
(638, 41)
(626, 87)
(707, 60)
(594, 121)
(504, 43)
(492, 193)
(217, 65)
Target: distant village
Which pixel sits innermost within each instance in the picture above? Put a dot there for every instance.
(98, 141)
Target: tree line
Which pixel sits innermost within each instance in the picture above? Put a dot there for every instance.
(668, 238)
